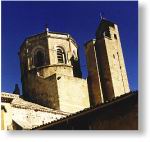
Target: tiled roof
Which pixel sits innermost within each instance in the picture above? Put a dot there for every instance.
(32, 116)
(29, 115)
(28, 119)
(20, 103)
(88, 110)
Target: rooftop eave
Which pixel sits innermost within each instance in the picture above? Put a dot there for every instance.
(48, 35)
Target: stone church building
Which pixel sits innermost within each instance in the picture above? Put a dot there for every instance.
(55, 96)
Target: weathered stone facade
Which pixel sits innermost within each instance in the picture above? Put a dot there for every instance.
(108, 71)
(94, 82)
(56, 97)
(6, 117)
(46, 59)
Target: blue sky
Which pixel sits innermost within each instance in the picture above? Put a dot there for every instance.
(80, 19)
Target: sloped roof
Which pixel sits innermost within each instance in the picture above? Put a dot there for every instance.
(32, 116)
(20, 103)
(29, 115)
(88, 110)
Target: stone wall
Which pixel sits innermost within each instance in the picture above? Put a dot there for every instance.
(109, 63)
(104, 69)
(63, 69)
(116, 63)
(65, 93)
(38, 83)
(73, 93)
(6, 116)
(94, 83)
(43, 91)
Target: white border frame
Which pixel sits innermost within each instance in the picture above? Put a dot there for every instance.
(107, 136)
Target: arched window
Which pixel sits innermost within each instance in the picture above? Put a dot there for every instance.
(39, 59)
(61, 55)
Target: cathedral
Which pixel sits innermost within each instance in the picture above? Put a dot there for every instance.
(54, 94)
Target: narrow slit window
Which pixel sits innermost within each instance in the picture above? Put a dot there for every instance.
(115, 36)
(113, 56)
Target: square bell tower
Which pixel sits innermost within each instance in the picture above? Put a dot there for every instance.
(110, 70)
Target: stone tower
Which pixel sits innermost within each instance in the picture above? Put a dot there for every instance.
(50, 72)
(106, 68)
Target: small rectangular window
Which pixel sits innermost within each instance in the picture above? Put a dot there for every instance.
(107, 33)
